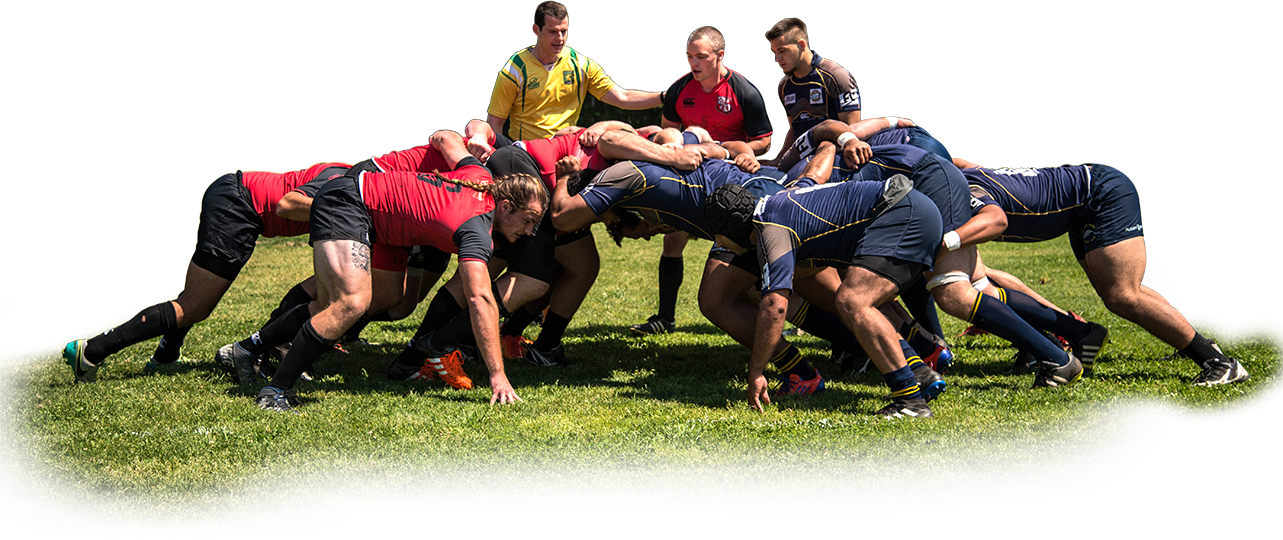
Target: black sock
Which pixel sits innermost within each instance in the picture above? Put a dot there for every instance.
(441, 310)
(921, 306)
(450, 336)
(670, 281)
(991, 314)
(171, 344)
(148, 323)
(295, 297)
(1043, 317)
(517, 322)
(307, 346)
(554, 326)
(1201, 349)
(825, 325)
(277, 332)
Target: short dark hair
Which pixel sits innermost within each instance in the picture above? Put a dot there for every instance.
(628, 219)
(793, 28)
(713, 35)
(550, 9)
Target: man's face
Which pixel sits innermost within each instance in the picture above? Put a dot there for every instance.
(645, 229)
(513, 223)
(706, 64)
(550, 39)
(788, 54)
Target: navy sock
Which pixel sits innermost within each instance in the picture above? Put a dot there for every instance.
(902, 384)
(825, 325)
(789, 362)
(1043, 317)
(919, 303)
(307, 346)
(991, 314)
(554, 326)
(670, 282)
(148, 323)
(920, 339)
(277, 332)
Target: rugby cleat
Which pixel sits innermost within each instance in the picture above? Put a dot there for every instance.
(242, 363)
(448, 368)
(555, 357)
(74, 354)
(1217, 372)
(1051, 375)
(795, 386)
(514, 347)
(1023, 362)
(654, 325)
(940, 360)
(276, 399)
(905, 408)
(1090, 346)
(930, 383)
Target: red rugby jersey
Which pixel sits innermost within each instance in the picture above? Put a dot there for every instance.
(267, 188)
(418, 159)
(417, 209)
(547, 151)
(733, 111)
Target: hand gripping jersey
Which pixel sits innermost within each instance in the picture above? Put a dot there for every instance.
(266, 190)
(1041, 204)
(411, 209)
(828, 90)
(546, 152)
(733, 111)
(660, 194)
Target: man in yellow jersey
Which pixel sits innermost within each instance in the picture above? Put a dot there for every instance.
(542, 88)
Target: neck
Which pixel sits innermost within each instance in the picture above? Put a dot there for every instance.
(545, 58)
(709, 85)
(804, 68)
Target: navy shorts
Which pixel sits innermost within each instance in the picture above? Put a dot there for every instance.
(229, 226)
(1112, 214)
(910, 231)
(338, 213)
(939, 180)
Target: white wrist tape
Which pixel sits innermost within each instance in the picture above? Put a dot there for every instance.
(952, 240)
(893, 122)
(843, 139)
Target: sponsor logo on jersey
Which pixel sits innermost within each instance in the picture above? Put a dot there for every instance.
(803, 116)
(1134, 228)
(1089, 234)
(567, 77)
(688, 102)
(817, 96)
(532, 84)
(723, 104)
(790, 99)
(849, 99)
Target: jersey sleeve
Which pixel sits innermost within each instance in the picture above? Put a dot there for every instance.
(756, 123)
(776, 248)
(670, 100)
(472, 238)
(844, 88)
(614, 185)
(506, 85)
(599, 83)
(980, 199)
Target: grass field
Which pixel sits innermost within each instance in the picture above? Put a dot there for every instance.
(188, 437)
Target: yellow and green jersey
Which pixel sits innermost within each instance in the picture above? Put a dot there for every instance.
(536, 101)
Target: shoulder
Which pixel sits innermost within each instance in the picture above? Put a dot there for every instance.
(741, 85)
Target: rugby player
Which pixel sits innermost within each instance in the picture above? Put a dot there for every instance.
(813, 89)
(362, 221)
(1099, 208)
(236, 209)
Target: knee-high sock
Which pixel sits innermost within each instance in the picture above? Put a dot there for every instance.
(827, 326)
(902, 384)
(517, 322)
(790, 362)
(991, 314)
(919, 304)
(307, 346)
(277, 332)
(171, 344)
(554, 326)
(441, 310)
(148, 323)
(1043, 317)
(670, 282)
(296, 296)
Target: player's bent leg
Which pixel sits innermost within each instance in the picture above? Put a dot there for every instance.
(1115, 271)
(720, 300)
(202, 291)
(862, 291)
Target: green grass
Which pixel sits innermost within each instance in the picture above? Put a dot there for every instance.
(628, 403)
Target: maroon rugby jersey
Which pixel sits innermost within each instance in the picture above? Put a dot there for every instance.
(733, 111)
(267, 188)
(418, 209)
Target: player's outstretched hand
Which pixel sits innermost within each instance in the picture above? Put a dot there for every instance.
(856, 153)
(747, 163)
(757, 395)
(502, 392)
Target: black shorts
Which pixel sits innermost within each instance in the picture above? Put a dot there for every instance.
(338, 213)
(566, 238)
(531, 255)
(429, 259)
(1112, 214)
(746, 262)
(229, 226)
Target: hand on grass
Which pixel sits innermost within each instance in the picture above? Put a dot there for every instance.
(757, 395)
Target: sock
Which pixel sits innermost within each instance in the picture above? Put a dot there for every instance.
(902, 384)
(304, 350)
(920, 339)
(170, 345)
(994, 316)
(295, 297)
(1043, 317)
(825, 325)
(790, 362)
(554, 326)
(442, 309)
(517, 322)
(919, 303)
(911, 357)
(456, 332)
(1201, 349)
(670, 281)
(148, 323)
(277, 332)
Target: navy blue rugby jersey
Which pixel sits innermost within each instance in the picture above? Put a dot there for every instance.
(888, 160)
(812, 226)
(660, 194)
(1040, 203)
